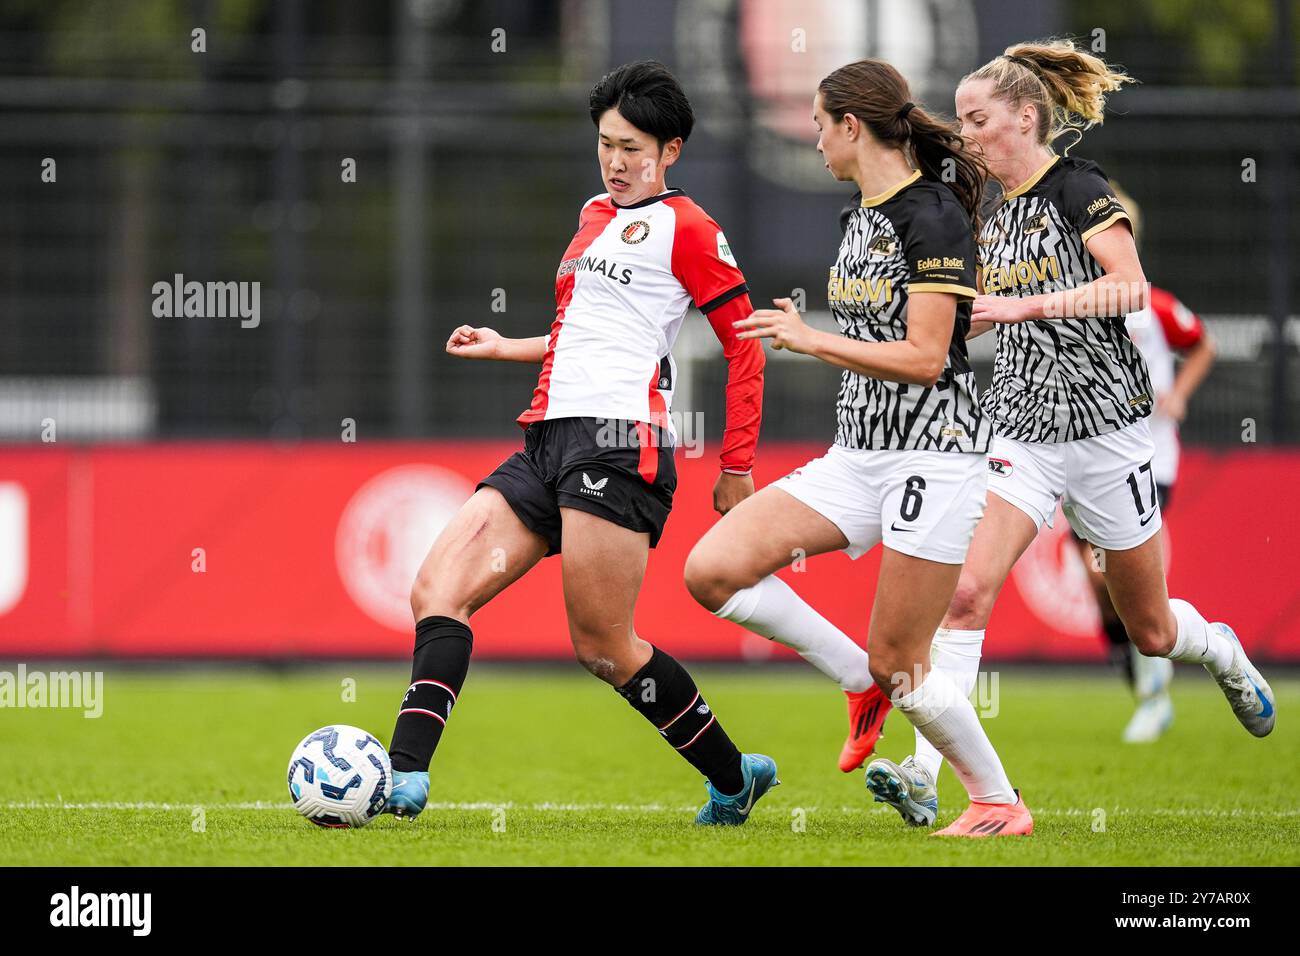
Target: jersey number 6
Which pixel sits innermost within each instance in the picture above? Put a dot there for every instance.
(912, 502)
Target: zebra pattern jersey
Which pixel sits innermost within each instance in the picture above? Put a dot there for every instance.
(913, 238)
(1061, 379)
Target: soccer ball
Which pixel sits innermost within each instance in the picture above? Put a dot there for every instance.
(340, 776)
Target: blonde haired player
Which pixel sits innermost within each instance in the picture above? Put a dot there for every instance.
(1071, 395)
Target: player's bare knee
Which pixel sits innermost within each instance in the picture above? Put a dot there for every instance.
(431, 596)
(887, 669)
(594, 655)
(1152, 638)
(1151, 644)
(698, 577)
(598, 645)
(712, 581)
(970, 605)
(421, 597)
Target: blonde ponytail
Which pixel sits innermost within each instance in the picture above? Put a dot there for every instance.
(1067, 85)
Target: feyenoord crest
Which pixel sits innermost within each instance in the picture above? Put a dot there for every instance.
(636, 232)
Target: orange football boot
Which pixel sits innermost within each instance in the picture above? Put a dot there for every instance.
(867, 711)
(992, 819)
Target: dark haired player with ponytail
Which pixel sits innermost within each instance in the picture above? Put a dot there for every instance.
(1071, 395)
(908, 466)
(595, 480)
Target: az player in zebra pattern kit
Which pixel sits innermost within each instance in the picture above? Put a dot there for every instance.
(1071, 395)
(908, 467)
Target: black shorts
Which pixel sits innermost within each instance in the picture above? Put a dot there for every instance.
(618, 470)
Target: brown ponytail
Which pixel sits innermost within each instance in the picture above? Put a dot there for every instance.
(877, 94)
(1067, 85)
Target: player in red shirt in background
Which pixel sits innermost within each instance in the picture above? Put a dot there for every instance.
(595, 480)
(1164, 329)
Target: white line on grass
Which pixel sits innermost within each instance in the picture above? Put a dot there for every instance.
(634, 808)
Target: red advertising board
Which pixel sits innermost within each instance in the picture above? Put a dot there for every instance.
(227, 549)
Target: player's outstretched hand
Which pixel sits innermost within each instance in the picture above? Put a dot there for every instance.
(469, 342)
(783, 325)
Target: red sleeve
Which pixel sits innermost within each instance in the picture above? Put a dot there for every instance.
(745, 361)
(1180, 324)
(702, 259)
(703, 263)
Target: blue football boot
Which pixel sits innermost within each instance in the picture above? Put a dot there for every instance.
(410, 794)
(1249, 694)
(759, 773)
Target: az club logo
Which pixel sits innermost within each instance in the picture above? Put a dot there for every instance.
(1035, 224)
(593, 488)
(883, 246)
(636, 232)
(1000, 466)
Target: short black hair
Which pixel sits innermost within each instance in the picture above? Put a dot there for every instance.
(647, 96)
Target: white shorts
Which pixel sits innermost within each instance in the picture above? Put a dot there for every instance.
(922, 503)
(1106, 485)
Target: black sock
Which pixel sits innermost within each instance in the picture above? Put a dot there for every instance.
(442, 648)
(1117, 640)
(667, 697)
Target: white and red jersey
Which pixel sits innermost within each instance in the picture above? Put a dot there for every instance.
(622, 291)
(1164, 328)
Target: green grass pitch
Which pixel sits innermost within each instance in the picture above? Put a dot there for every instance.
(549, 766)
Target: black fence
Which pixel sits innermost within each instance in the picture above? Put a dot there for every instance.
(385, 174)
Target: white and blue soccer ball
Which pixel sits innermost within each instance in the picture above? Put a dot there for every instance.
(340, 776)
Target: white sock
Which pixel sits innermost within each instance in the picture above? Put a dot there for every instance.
(948, 721)
(1197, 642)
(1151, 675)
(957, 654)
(771, 609)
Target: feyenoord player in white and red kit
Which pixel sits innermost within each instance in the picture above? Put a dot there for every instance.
(594, 482)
